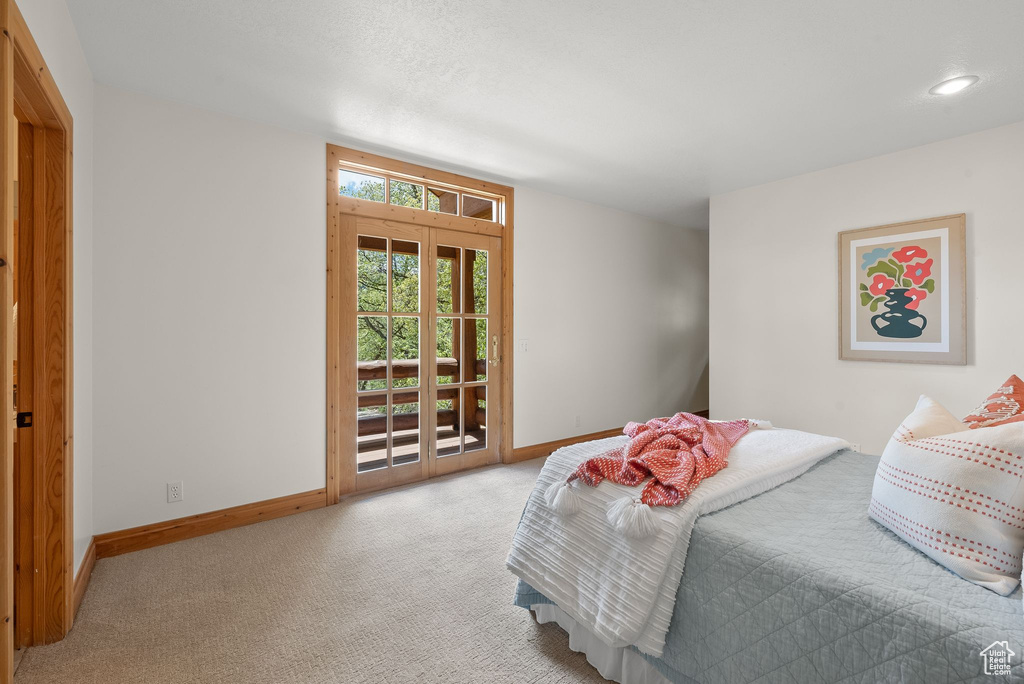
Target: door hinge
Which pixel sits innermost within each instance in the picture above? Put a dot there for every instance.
(24, 419)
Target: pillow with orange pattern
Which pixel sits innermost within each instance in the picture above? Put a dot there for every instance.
(1006, 405)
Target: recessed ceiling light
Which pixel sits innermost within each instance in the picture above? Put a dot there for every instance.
(953, 85)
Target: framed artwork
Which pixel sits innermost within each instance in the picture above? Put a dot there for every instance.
(902, 292)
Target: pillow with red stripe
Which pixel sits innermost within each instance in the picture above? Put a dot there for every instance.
(955, 494)
(1005, 405)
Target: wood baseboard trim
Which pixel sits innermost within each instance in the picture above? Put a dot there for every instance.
(170, 531)
(547, 448)
(82, 578)
(527, 453)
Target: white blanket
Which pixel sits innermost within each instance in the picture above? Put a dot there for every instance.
(624, 589)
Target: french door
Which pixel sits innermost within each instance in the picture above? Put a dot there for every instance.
(421, 312)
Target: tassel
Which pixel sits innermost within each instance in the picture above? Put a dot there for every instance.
(633, 518)
(562, 498)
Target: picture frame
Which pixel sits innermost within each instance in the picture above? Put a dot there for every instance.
(903, 292)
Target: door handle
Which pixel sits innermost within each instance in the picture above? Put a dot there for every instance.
(494, 352)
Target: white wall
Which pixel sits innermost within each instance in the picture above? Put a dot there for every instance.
(51, 26)
(774, 287)
(614, 308)
(210, 312)
(210, 301)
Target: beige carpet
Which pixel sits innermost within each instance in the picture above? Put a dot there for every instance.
(403, 586)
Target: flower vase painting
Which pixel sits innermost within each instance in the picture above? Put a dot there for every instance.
(902, 292)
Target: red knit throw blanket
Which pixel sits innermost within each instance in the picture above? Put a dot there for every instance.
(678, 453)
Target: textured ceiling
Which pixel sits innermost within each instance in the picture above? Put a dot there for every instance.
(651, 107)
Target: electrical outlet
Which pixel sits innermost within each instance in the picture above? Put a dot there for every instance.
(523, 346)
(578, 421)
(855, 446)
(174, 492)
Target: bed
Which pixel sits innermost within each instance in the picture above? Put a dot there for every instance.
(799, 585)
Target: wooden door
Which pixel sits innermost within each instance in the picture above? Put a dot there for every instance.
(466, 330)
(421, 313)
(29, 95)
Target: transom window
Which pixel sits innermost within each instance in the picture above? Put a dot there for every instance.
(377, 185)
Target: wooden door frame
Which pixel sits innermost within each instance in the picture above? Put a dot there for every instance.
(340, 481)
(29, 93)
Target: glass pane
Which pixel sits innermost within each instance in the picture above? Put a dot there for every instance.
(405, 351)
(448, 439)
(405, 426)
(444, 201)
(406, 194)
(475, 345)
(372, 273)
(478, 207)
(371, 345)
(371, 442)
(476, 269)
(360, 185)
(447, 350)
(474, 419)
(448, 300)
(405, 276)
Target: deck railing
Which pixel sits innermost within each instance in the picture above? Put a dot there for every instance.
(376, 424)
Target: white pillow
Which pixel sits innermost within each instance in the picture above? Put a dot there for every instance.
(956, 497)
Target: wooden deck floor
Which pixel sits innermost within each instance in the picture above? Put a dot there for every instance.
(372, 450)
